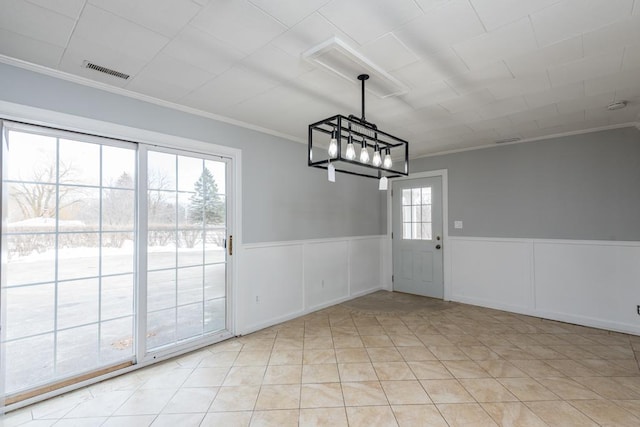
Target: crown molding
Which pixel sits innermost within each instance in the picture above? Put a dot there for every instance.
(539, 138)
(140, 97)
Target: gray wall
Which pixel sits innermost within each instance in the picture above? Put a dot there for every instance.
(283, 199)
(575, 187)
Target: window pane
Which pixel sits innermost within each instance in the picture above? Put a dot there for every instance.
(215, 211)
(406, 197)
(117, 297)
(416, 197)
(77, 303)
(118, 167)
(161, 328)
(190, 211)
(32, 258)
(218, 171)
(161, 209)
(191, 247)
(31, 206)
(78, 208)
(118, 209)
(190, 285)
(117, 253)
(162, 171)
(77, 350)
(190, 172)
(78, 255)
(406, 230)
(33, 157)
(161, 289)
(426, 195)
(215, 281)
(426, 213)
(406, 214)
(416, 231)
(116, 340)
(161, 250)
(415, 214)
(214, 315)
(190, 321)
(214, 250)
(426, 231)
(79, 163)
(29, 362)
(31, 310)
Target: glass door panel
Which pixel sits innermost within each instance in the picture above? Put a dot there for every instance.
(68, 269)
(186, 267)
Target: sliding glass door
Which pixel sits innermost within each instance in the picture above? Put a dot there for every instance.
(113, 252)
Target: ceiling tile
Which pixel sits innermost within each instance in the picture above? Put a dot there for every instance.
(70, 8)
(431, 69)
(572, 17)
(524, 117)
(561, 119)
(441, 27)
(500, 122)
(366, 20)
(389, 53)
(166, 17)
(554, 95)
(586, 68)
(105, 31)
(503, 107)
(434, 93)
(232, 87)
(289, 12)
(164, 69)
(276, 64)
(28, 49)
(623, 80)
(535, 82)
(469, 101)
(621, 33)
(631, 58)
(201, 49)
(505, 42)
(239, 24)
(36, 22)
(495, 13)
(541, 59)
(312, 31)
(157, 89)
(479, 78)
(586, 103)
(626, 115)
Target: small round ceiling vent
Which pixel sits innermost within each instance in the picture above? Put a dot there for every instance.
(616, 105)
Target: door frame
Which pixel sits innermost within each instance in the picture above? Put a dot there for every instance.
(446, 257)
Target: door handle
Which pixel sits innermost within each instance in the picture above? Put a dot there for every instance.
(231, 245)
(438, 246)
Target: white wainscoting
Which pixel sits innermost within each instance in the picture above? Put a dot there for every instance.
(590, 283)
(282, 280)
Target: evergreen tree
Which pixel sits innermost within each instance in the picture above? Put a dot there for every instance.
(205, 205)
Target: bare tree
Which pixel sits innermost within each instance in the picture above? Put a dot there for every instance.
(39, 198)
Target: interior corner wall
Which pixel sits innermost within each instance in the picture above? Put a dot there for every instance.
(550, 228)
(283, 199)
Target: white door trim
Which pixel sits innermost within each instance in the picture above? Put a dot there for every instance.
(446, 256)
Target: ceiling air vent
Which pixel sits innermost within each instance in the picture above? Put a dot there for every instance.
(507, 140)
(105, 70)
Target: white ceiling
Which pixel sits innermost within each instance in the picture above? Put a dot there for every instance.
(478, 71)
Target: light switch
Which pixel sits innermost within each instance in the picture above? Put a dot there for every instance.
(457, 224)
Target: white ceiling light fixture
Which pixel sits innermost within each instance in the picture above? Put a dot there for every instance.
(341, 59)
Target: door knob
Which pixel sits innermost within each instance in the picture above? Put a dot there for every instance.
(438, 246)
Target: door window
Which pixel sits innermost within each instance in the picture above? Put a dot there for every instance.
(416, 213)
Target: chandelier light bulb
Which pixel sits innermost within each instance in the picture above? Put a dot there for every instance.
(333, 146)
(351, 150)
(377, 159)
(364, 153)
(387, 161)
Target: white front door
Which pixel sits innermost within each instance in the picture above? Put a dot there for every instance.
(417, 236)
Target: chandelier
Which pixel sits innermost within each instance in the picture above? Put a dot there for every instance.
(356, 146)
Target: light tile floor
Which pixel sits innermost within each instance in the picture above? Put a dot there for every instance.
(385, 359)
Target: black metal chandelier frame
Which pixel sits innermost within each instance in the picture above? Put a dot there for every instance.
(357, 130)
